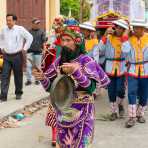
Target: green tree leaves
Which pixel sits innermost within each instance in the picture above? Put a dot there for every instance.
(76, 11)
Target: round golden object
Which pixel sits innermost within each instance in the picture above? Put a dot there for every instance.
(1, 62)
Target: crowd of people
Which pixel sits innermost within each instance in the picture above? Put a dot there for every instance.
(122, 54)
(116, 61)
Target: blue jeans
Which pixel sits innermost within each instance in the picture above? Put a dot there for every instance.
(137, 88)
(36, 58)
(116, 88)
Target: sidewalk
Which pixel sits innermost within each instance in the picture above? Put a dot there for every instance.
(34, 133)
(31, 94)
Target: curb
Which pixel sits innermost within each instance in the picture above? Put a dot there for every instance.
(27, 110)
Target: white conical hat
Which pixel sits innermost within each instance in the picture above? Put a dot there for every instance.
(88, 26)
(121, 23)
(139, 23)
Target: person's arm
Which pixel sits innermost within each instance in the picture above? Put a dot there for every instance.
(84, 82)
(126, 48)
(28, 38)
(102, 46)
(44, 39)
(46, 83)
(81, 78)
(96, 53)
(99, 50)
(49, 75)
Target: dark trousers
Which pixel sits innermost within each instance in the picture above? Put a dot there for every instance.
(137, 88)
(116, 88)
(15, 63)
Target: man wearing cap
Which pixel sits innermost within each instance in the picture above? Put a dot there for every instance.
(35, 51)
(136, 51)
(110, 47)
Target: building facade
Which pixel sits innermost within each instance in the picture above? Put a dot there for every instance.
(25, 10)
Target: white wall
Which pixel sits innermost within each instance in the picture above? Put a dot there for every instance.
(2, 13)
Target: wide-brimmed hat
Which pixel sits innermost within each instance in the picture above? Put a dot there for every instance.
(139, 24)
(122, 23)
(87, 26)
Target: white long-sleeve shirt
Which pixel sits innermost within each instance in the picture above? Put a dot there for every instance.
(15, 39)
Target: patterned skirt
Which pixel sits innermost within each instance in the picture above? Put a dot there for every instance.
(51, 117)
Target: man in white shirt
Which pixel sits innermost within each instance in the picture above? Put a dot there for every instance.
(14, 41)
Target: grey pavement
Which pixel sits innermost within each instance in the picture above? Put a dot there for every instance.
(113, 134)
(34, 134)
(31, 94)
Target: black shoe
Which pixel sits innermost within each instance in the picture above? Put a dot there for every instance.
(4, 100)
(28, 83)
(37, 82)
(53, 144)
(18, 97)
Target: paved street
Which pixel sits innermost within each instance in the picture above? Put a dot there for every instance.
(33, 133)
(35, 33)
(114, 134)
(31, 94)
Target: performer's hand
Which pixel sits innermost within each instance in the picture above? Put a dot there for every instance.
(38, 74)
(44, 46)
(69, 68)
